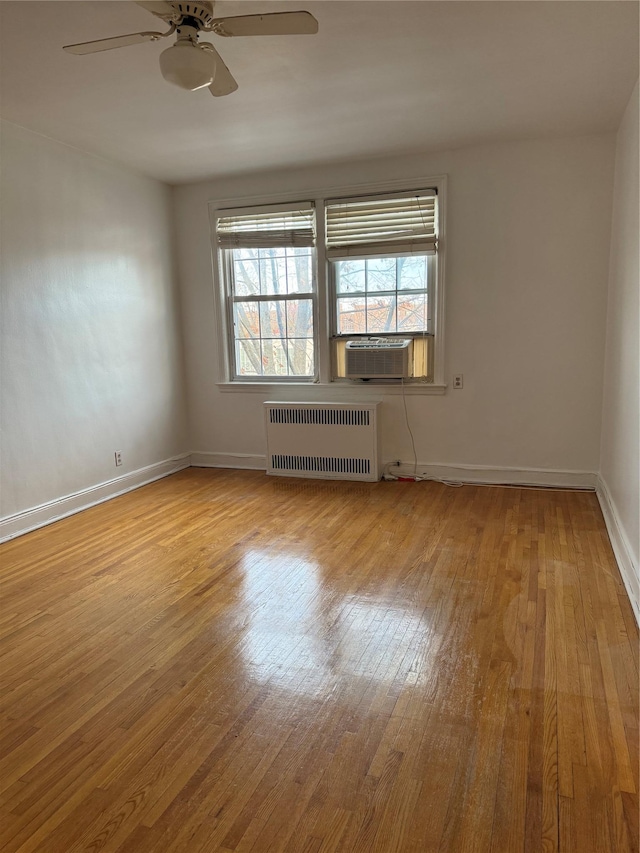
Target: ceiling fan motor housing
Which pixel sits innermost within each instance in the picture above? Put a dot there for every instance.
(201, 12)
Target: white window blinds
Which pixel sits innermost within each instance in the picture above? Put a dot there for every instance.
(376, 225)
(266, 227)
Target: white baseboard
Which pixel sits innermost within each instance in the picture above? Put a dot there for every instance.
(485, 474)
(622, 552)
(39, 516)
(247, 461)
(452, 473)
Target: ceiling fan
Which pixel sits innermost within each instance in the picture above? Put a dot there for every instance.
(193, 65)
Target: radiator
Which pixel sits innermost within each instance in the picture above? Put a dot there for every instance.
(333, 441)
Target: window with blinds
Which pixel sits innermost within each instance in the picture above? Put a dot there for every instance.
(382, 224)
(268, 264)
(296, 280)
(382, 251)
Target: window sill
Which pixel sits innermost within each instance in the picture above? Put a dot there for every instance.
(337, 389)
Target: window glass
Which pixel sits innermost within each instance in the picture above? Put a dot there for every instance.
(393, 295)
(272, 297)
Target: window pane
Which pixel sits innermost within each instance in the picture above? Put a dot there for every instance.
(350, 276)
(352, 315)
(273, 271)
(300, 318)
(381, 274)
(274, 357)
(412, 272)
(248, 358)
(273, 319)
(299, 271)
(246, 272)
(247, 320)
(301, 357)
(245, 254)
(403, 309)
(381, 314)
(412, 312)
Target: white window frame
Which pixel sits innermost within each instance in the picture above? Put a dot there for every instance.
(324, 307)
(230, 298)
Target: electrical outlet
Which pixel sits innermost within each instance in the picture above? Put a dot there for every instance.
(457, 381)
(118, 458)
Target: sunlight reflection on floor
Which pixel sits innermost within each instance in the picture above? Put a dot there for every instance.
(302, 633)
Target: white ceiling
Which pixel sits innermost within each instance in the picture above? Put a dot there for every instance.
(380, 78)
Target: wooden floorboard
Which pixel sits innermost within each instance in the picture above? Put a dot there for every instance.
(224, 661)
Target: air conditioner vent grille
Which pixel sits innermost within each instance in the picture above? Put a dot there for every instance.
(378, 362)
(320, 464)
(325, 417)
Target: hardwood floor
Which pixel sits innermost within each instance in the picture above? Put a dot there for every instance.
(223, 661)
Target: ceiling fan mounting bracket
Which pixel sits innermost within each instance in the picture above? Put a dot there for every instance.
(169, 32)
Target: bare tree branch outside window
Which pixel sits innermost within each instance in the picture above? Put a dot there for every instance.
(273, 311)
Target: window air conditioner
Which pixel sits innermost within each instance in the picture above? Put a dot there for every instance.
(378, 358)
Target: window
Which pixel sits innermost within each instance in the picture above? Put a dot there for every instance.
(382, 254)
(269, 268)
(382, 295)
(291, 303)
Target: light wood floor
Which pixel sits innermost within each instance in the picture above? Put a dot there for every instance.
(224, 661)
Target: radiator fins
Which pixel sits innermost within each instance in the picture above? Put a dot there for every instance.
(337, 417)
(321, 464)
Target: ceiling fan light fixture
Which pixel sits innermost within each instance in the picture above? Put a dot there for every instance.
(188, 66)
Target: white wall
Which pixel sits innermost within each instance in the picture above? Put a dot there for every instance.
(527, 266)
(619, 464)
(91, 358)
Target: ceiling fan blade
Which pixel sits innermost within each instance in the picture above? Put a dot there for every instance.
(271, 24)
(224, 82)
(110, 44)
(161, 8)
